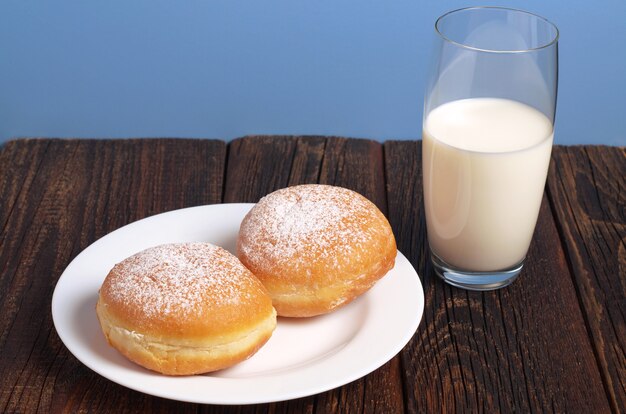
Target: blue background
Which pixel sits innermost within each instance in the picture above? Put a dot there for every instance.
(223, 69)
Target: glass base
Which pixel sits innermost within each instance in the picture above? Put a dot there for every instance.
(475, 280)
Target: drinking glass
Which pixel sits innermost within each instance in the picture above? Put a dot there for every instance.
(488, 129)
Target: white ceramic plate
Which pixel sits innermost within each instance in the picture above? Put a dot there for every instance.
(303, 357)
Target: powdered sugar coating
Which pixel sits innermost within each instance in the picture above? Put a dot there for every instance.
(296, 226)
(182, 280)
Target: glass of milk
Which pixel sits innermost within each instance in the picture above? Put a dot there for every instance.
(488, 130)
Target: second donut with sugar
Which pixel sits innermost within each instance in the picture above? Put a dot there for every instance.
(315, 247)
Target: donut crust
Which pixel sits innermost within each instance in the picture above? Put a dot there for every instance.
(184, 309)
(316, 247)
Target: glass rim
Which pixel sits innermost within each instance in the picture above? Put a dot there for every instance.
(552, 42)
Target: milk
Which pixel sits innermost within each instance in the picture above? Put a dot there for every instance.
(485, 162)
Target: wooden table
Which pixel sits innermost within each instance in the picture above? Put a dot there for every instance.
(553, 341)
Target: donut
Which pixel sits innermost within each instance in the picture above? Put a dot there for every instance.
(184, 309)
(315, 247)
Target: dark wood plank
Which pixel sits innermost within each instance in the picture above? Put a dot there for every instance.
(61, 195)
(587, 188)
(523, 348)
(260, 165)
(358, 165)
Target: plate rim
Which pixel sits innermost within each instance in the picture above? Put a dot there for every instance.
(322, 386)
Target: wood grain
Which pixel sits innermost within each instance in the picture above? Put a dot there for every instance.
(552, 342)
(260, 165)
(60, 196)
(587, 188)
(523, 348)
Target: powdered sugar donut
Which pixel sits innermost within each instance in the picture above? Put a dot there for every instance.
(182, 309)
(315, 247)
